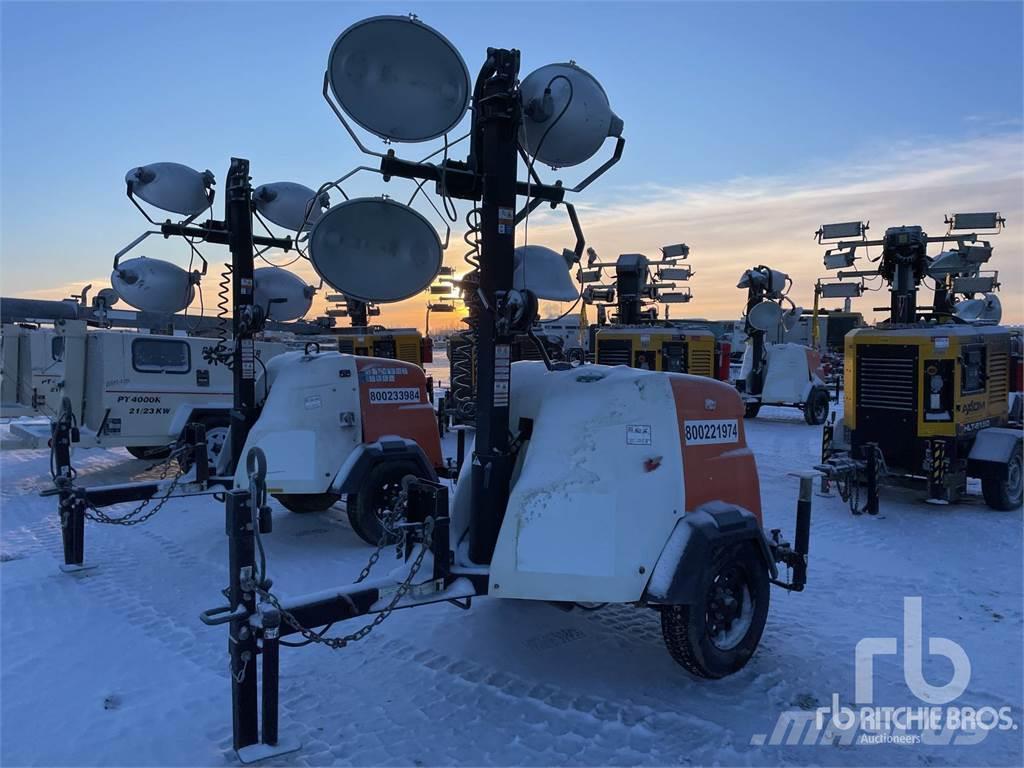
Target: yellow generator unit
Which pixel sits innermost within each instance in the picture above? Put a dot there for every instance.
(406, 344)
(654, 348)
(932, 402)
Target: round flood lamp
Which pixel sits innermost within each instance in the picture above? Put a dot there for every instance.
(765, 316)
(399, 78)
(543, 272)
(283, 295)
(287, 204)
(567, 125)
(376, 250)
(171, 187)
(153, 285)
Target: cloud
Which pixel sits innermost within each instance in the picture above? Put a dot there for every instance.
(742, 222)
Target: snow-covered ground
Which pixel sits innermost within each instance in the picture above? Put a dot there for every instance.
(112, 666)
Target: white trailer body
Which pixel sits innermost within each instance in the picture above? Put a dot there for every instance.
(127, 389)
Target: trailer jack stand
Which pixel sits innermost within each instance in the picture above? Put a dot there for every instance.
(795, 556)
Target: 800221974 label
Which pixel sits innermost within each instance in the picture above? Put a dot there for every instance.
(711, 431)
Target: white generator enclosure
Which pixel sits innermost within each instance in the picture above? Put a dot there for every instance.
(791, 371)
(616, 458)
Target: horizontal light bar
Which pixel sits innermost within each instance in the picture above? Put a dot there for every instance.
(675, 273)
(839, 259)
(441, 308)
(335, 297)
(990, 220)
(337, 313)
(677, 251)
(675, 298)
(985, 284)
(439, 290)
(590, 275)
(446, 271)
(840, 290)
(841, 230)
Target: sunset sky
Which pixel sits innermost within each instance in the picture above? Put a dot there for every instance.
(748, 125)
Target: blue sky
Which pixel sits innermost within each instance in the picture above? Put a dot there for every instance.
(711, 94)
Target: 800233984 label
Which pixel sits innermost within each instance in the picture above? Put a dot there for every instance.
(711, 431)
(391, 395)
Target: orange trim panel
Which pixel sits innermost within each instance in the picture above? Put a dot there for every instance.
(720, 471)
(409, 419)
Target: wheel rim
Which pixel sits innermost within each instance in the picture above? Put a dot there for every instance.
(1014, 477)
(730, 609)
(215, 440)
(821, 412)
(387, 498)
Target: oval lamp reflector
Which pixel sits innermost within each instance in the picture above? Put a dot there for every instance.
(543, 272)
(765, 316)
(283, 295)
(562, 140)
(171, 187)
(375, 250)
(287, 204)
(153, 285)
(399, 78)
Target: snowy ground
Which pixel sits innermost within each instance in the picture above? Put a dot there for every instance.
(113, 667)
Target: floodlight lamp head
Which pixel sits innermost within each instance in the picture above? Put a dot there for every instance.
(544, 273)
(294, 207)
(283, 295)
(839, 259)
(678, 251)
(399, 79)
(172, 187)
(975, 221)
(153, 285)
(765, 316)
(566, 115)
(375, 250)
(591, 256)
(841, 231)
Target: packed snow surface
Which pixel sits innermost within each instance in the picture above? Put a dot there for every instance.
(112, 666)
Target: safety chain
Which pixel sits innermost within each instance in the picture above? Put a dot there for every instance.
(403, 589)
(136, 516)
(388, 520)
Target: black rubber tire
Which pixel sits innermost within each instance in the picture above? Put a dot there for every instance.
(685, 629)
(364, 507)
(750, 410)
(185, 458)
(817, 407)
(149, 452)
(1005, 495)
(302, 503)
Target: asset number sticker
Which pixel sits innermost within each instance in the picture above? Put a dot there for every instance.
(382, 395)
(712, 431)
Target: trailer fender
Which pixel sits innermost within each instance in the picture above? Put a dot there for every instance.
(368, 455)
(678, 575)
(991, 453)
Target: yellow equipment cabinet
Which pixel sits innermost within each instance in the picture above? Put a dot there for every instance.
(927, 401)
(656, 348)
(404, 344)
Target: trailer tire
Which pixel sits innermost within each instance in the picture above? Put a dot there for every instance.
(750, 410)
(736, 571)
(817, 407)
(302, 503)
(379, 489)
(1007, 494)
(149, 452)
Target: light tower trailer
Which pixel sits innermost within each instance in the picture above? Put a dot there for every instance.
(128, 389)
(549, 509)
